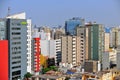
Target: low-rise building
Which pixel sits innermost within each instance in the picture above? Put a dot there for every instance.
(91, 66)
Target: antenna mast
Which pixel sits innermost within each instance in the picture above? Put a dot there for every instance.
(8, 14)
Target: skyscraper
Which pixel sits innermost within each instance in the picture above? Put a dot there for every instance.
(71, 24)
(15, 31)
(29, 24)
(96, 41)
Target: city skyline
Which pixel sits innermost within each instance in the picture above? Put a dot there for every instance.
(53, 13)
(87, 51)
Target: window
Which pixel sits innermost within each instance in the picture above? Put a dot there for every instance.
(14, 28)
(16, 33)
(16, 57)
(16, 62)
(16, 73)
(81, 33)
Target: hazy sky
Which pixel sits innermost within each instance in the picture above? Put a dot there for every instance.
(56, 12)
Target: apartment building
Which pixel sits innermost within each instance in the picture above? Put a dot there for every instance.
(71, 52)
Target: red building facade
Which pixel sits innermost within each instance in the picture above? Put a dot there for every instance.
(37, 54)
(3, 60)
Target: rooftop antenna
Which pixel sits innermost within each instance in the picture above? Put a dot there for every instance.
(8, 14)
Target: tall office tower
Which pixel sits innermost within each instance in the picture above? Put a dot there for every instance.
(71, 24)
(71, 52)
(23, 16)
(81, 32)
(107, 39)
(37, 51)
(114, 37)
(3, 58)
(15, 31)
(96, 41)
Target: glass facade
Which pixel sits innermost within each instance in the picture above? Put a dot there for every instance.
(70, 25)
(2, 30)
(97, 41)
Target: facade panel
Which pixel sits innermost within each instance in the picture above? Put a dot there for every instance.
(4, 60)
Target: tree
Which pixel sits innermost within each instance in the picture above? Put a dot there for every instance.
(54, 68)
(27, 76)
(44, 70)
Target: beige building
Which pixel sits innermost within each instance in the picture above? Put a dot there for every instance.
(72, 50)
(82, 32)
(58, 34)
(115, 37)
(107, 41)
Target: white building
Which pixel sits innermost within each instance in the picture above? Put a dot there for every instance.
(44, 45)
(44, 36)
(51, 48)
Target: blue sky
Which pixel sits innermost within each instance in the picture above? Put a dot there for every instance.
(56, 12)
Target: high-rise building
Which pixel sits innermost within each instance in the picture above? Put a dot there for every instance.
(4, 59)
(107, 41)
(58, 34)
(81, 32)
(71, 50)
(96, 41)
(71, 24)
(114, 37)
(44, 45)
(52, 49)
(15, 31)
(23, 16)
(36, 55)
(29, 50)
(55, 50)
